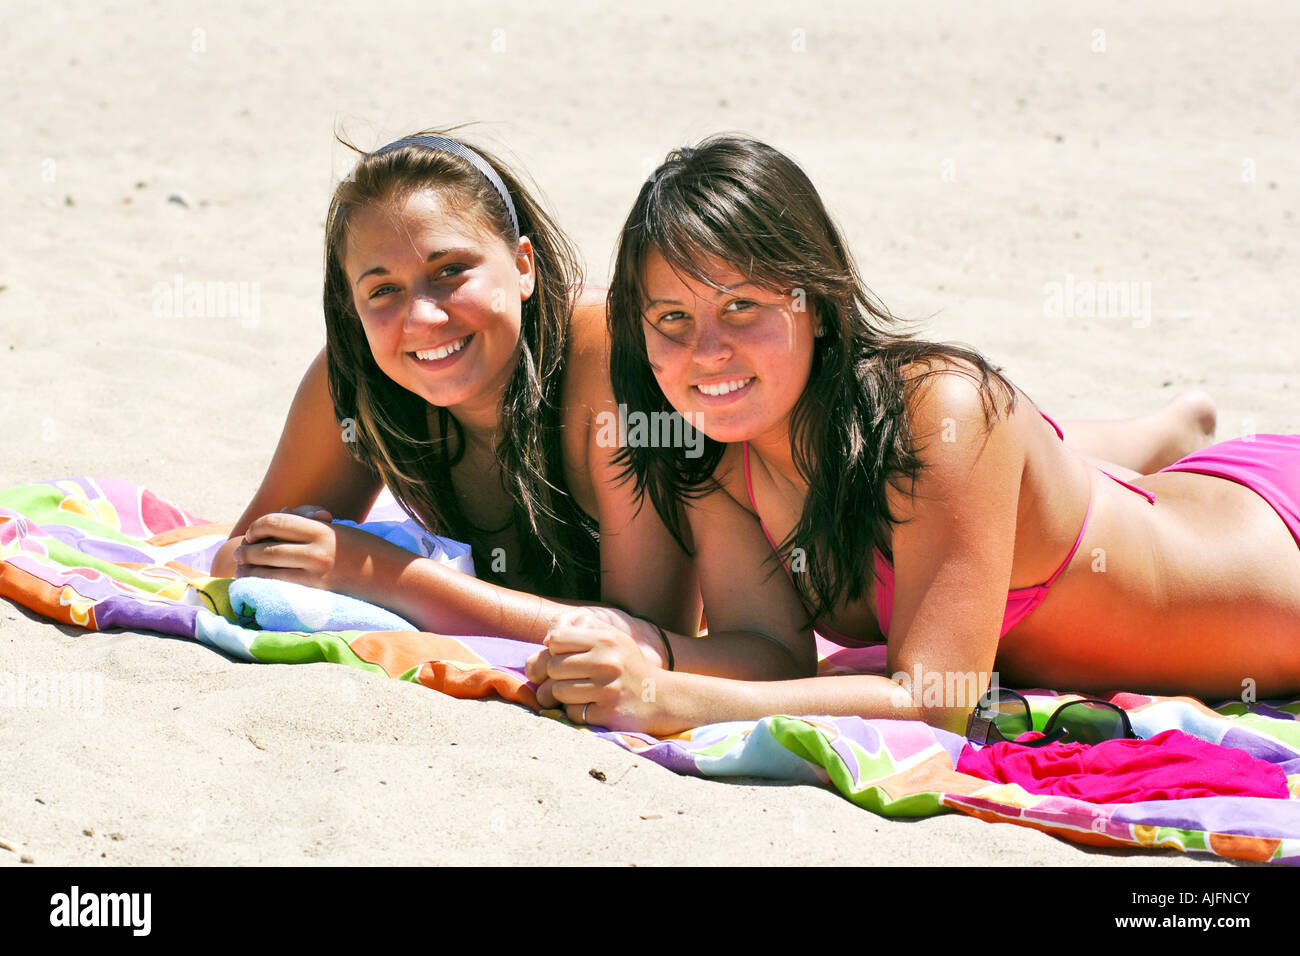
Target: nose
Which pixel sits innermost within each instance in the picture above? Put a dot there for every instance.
(424, 310)
(712, 344)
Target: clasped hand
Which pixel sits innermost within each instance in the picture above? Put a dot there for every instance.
(603, 668)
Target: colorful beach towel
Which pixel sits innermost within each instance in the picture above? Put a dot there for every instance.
(105, 553)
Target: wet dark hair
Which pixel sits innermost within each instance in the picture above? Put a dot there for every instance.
(559, 550)
(743, 203)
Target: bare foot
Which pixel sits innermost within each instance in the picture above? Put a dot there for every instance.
(1190, 419)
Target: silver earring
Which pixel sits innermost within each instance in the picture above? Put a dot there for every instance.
(821, 330)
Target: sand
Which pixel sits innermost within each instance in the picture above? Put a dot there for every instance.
(973, 159)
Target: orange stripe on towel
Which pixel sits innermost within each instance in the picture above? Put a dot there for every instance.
(399, 651)
(186, 533)
(445, 665)
(476, 683)
(44, 598)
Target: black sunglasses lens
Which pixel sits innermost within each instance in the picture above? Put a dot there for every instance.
(1008, 712)
(1087, 722)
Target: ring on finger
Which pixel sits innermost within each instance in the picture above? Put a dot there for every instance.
(583, 718)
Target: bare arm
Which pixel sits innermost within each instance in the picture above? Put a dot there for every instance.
(311, 466)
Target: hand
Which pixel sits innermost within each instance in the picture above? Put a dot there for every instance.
(300, 545)
(593, 661)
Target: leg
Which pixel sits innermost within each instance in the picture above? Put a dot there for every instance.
(1150, 442)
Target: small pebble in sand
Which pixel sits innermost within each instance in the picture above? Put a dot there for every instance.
(69, 201)
(597, 774)
(6, 845)
(28, 859)
(117, 836)
(652, 816)
(179, 198)
(88, 831)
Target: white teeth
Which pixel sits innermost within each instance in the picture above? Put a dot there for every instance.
(433, 355)
(725, 388)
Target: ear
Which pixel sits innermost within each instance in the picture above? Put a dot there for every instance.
(526, 266)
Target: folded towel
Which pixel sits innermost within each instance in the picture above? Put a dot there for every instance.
(283, 606)
(272, 605)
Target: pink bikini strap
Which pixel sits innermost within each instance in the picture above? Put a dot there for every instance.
(1142, 491)
(749, 487)
(1077, 541)
(1051, 421)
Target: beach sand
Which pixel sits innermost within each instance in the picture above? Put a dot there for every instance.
(973, 159)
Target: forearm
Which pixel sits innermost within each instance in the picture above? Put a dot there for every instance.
(691, 700)
(740, 655)
(442, 600)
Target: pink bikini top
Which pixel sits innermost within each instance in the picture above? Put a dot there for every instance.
(1021, 602)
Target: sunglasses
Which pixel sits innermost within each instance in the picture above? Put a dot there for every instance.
(1003, 715)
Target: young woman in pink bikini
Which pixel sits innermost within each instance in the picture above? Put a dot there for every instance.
(913, 495)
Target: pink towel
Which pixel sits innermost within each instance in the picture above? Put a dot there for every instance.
(1169, 766)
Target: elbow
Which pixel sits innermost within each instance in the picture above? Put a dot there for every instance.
(911, 702)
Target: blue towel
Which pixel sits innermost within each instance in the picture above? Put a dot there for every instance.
(280, 606)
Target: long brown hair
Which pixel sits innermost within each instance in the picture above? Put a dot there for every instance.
(560, 553)
(746, 204)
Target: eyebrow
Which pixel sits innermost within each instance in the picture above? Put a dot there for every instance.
(436, 254)
(723, 291)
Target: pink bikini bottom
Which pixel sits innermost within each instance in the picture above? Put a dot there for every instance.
(1268, 465)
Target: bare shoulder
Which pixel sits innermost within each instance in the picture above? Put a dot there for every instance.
(959, 426)
(947, 394)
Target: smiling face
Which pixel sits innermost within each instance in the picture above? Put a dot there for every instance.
(440, 299)
(738, 359)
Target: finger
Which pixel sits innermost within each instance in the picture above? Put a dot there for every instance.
(582, 714)
(545, 698)
(583, 666)
(571, 640)
(577, 692)
(535, 666)
(269, 554)
(281, 525)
